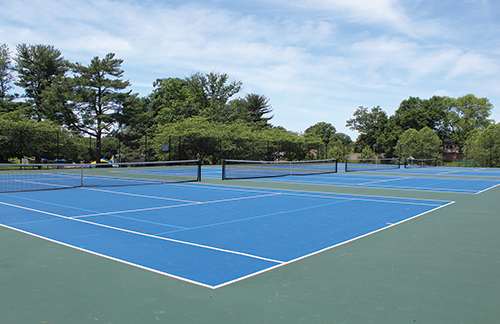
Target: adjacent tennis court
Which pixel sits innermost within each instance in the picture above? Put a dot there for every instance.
(395, 182)
(450, 171)
(386, 176)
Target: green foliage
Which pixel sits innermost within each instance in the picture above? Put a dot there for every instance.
(250, 109)
(322, 130)
(423, 144)
(447, 117)
(171, 101)
(98, 97)
(94, 102)
(337, 152)
(198, 137)
(370, 124)
(6, 75)
(418, 113)
(339, 139)
(466, 114)
(21, 137)
(367, 153)
(485, 146)
(38, 68)
(212, 92)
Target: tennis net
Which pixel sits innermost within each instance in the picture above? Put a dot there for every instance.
(419, 163)
(46, 176)
(372, 164)
(241, 169)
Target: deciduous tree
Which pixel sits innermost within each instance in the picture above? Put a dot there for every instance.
(423, 144)
(485, 146)
(369, 123)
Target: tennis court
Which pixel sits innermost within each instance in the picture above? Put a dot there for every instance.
(450, 171)
(205, 234)
(395, 182)
(262, 251)
(458, 180)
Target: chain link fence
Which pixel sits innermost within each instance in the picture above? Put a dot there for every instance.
(44, 146)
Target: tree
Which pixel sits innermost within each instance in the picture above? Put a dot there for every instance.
(322, 130)
(485, 146)
(212, 92)
(22, 137)
(6, 79)
(418, 113)
(98, 97)
(370, 124)
(171, 101)
(466, 114)
(38, 68)
(423, 144)
(256, 107)
(339, 139)
(367, 153)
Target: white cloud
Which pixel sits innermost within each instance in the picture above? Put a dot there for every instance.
(333, 57)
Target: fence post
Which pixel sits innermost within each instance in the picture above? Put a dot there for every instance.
(146, 147)
(467, 155)
(119, 147)
(20, 144)
(170, 147)
(180, 148)
(90, 148)
(57, 152)
(491, 156)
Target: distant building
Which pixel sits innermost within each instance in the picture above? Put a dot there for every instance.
(451, 152)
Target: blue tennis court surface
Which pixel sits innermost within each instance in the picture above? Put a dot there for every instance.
(205, 234)
(398, 179)
(447, 171)
(455, 185)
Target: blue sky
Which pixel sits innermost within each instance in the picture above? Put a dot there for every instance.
(316, 60)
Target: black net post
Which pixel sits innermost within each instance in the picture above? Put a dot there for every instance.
(223, 169)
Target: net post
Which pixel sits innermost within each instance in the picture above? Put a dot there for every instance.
(399, 163)
(81, 177)
(336, 165)
(346, 164)
(223, 169)
(198, 177)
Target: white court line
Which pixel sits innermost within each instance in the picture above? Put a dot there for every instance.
(432, 189)
(477, 193)
(140, 196)
(328, 248)
(134, 211)
(109, 257)
(379, 181)
(279, 263)
(376, 200)
(315, 193)
(45, 184)
(175, 206)
(144, 234)
(447, 172)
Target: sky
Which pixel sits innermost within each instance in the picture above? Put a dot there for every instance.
(316, 60)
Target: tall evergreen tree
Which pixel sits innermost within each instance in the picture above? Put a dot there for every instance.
(257, 106)
(6, 73)
(38, 68)
(99, 97)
